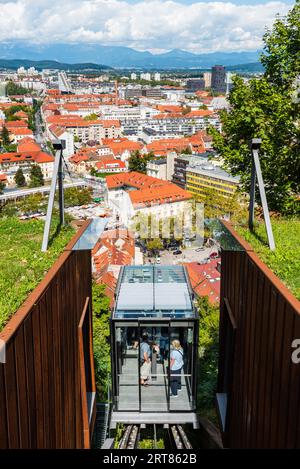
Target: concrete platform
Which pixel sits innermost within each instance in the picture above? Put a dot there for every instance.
(148, 418)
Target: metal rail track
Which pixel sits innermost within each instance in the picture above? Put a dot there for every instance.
(130, 438)
(178, 438)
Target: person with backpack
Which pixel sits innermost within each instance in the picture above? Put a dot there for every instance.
(176, 365)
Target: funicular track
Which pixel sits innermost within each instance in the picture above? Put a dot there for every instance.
(130, 437)
(178, 438)
(175, 437)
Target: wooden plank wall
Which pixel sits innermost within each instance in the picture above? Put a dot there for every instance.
(264, 404)
(40, 397)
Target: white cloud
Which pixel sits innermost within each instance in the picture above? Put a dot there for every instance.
(146, 24)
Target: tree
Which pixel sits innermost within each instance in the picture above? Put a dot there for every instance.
(5, 136)
(36, 176)
(101, 334)
(93, 171)
(208, 353)
(268, 108)
(91, 117)
(32, 203)
(78, 196)
(20, 178)
(138, 162)
(2, 187)
(155, 245)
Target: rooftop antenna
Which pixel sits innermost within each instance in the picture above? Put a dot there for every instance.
(58, 176)
(256, 174)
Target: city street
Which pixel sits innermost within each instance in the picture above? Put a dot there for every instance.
(188, 255)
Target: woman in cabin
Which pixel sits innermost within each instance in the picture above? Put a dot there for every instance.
(145, 361)
(176, 365)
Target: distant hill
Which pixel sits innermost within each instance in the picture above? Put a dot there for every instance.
(255, 67)
(123, 57)
(51, 64)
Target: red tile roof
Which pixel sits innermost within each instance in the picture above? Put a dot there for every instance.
(37, 157)
(206, 279)
(151, 191)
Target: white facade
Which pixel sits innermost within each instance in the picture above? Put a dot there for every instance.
(157, 77)
(146, 76)
(157, 169)
(207, 79)
(120, 203)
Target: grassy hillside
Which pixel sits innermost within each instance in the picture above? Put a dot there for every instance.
(285, 260)
(23, 265)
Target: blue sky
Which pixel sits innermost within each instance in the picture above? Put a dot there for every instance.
(155, 25)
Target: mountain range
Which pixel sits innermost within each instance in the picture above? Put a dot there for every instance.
(122, 57)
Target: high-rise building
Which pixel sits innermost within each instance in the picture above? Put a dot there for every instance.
(146, 76)
(218, 79)
(133, 76)
(157, 77)
(207, 79)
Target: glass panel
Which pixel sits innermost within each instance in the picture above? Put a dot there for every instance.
(154, 291)
(220, 234)
(153, 375)
(127, 350)
(91, 235)
(181, 368)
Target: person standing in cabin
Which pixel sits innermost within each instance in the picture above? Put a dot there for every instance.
(176, 365)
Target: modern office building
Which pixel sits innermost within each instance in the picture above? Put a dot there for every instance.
(218, 79)
(203, 178)
(157, 301)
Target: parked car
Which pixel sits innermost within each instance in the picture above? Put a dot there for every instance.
(158, 260)
(177, 253)
(202, 248)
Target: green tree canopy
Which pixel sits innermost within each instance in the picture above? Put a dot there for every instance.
(36, 176)
(155, 245)
(20, 178)
(78, 196)
(268, 108)
(5, 136)
(138, 162)
(2, 187)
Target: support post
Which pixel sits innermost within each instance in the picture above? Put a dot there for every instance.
(61, 191)
(57, 175)
(256, 173)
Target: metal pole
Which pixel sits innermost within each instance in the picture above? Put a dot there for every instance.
(57, 175)
(61, 191)
(51, 202)
(257, 168)
(252, 195)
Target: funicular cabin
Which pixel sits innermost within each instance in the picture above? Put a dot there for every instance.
(156, 301)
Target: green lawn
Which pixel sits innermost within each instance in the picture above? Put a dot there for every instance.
(22, 264)
(285, 260)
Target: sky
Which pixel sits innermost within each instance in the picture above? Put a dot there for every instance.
(155, 25)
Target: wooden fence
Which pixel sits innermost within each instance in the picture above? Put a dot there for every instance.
(43, 384)
(260, 319)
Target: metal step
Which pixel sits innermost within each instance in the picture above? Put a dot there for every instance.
(154, 418)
